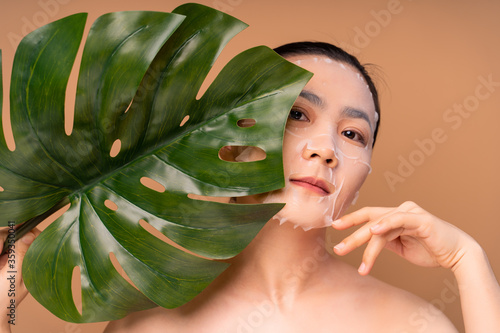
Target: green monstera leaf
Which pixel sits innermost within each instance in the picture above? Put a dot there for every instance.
(137, 91)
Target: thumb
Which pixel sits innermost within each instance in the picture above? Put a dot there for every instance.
(24, 243)
(20, 248)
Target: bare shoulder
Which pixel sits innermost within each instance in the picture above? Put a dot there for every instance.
(152, 320)
(402, 311)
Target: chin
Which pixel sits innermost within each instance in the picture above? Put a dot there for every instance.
(305, 211)
(301, 219)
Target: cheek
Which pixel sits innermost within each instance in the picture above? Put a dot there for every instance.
(354, 170)
(354, 158)
(293, 145)
(308, 211)
(353, 181)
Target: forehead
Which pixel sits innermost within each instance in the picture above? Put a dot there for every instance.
(335, 82)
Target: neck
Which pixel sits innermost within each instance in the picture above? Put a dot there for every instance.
(280, 262)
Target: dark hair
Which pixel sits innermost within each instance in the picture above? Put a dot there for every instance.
(335, 53)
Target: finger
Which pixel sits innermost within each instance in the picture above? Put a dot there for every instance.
(363, 234)
(414, 224)
(16, 255)
(360, 216)
(3, 236)
(353, 241)
(374, 248)
(6, 235)
(372, 251)
(19, 247)
(24, 243)
(367, 214)
(15, 251)
(395, 246)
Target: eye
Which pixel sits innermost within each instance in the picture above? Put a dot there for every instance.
(297, 115)
(354, 136)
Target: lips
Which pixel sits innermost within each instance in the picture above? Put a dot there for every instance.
(316, 185)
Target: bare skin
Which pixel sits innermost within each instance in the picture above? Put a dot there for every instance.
(19, 291)
(285, 280)
(428, 241)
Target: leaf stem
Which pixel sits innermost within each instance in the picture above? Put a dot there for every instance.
(25, 227)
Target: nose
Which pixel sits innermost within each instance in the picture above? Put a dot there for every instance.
(325, 156)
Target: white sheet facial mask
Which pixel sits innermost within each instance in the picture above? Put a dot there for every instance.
(318, 190)
(325, 161)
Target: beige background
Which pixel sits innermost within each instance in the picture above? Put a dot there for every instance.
(431, 56)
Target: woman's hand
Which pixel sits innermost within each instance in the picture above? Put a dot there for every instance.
(407, 230)
(12, 288)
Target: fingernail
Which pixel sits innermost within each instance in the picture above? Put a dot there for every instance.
(336, 222)
(28, 238)
(362, 268)
(375, 227)
(339, 246)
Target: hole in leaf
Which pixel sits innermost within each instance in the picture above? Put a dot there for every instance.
(128, 107)
(110, 204)
(241, 154)
(152, 184)
(45, 223)
(158, 234)
(226, 54)
(7, 126)
(71, 88)
(207, 198)
(76, 288)
(184, 120)
(246, 122)
(120, 270)
(115, 148)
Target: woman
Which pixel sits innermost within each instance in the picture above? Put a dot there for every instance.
(285, 280)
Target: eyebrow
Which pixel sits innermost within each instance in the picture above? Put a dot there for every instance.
(355, 113)
(311, 97)
(347, 112)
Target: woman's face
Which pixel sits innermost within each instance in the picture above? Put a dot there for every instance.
(327, 145)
